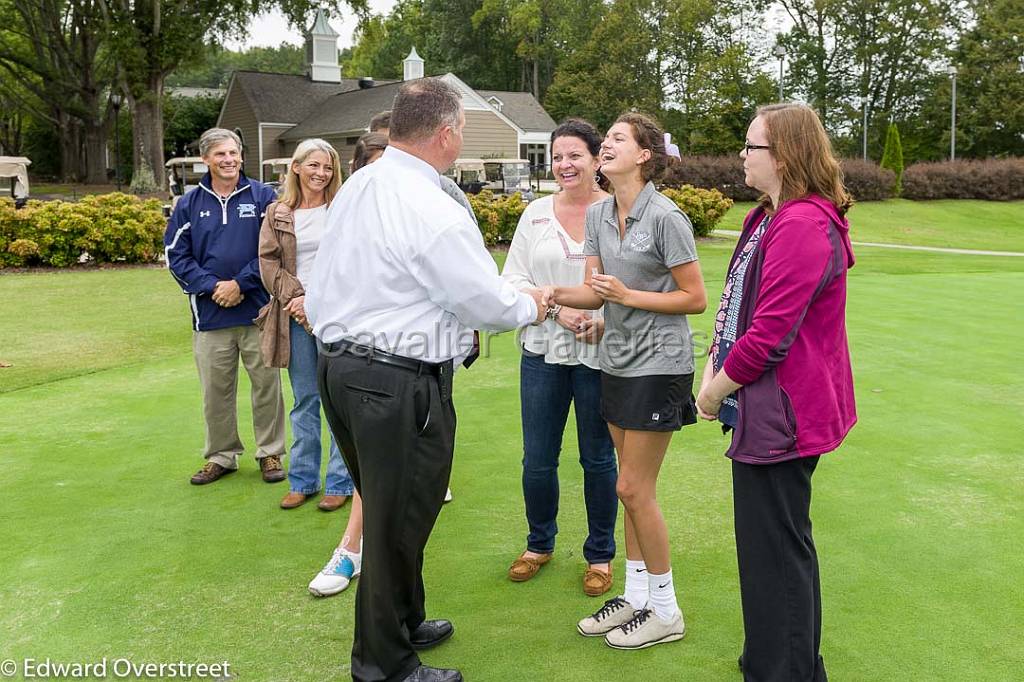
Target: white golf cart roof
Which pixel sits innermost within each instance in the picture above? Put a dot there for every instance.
(16, 167)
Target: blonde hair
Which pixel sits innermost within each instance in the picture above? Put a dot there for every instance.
(803, 152)
(291, 196)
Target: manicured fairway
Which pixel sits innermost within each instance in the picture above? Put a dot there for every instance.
(984, 225)
(108, 551)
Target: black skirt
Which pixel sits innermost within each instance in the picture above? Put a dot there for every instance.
(661, 402)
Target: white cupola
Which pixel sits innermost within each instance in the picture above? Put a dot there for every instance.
(413, 66)
(322, 50)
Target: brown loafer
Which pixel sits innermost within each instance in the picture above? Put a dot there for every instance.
(210, 472)
(595, 582)
(524, 568)
(293, 500)
(270, 467)
(332, 502)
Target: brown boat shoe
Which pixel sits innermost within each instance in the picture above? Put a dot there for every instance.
(524, 567)
(293, 500)
(270, 467)
(595, 582)
(330, 503)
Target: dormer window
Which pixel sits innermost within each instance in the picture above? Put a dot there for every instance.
(495, 102)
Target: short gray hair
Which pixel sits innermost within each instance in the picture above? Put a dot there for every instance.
(214, 136)
(422, 107)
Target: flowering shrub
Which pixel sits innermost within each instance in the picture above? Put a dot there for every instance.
(498, 215)
(704, 207)
(110, 227)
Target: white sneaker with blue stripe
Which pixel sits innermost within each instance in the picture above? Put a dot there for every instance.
(337, 574)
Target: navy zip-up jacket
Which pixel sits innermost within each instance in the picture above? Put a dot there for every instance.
(209, 239)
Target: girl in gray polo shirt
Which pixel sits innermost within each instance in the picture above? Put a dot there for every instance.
(642, 268)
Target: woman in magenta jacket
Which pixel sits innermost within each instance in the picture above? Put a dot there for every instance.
(778, 376)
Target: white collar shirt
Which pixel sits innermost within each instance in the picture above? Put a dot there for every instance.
(401, 267)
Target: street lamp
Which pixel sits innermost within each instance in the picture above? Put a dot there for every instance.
(864, 105)
(116, 99)
(780, 52)
(952, 126)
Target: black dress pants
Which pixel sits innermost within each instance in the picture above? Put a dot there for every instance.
(396, 431)
(779, 585)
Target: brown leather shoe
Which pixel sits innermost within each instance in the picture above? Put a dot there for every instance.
(293, 500)
(595, 582)
(332, 502)
(271, 468)
(210, 472)
(524, 568)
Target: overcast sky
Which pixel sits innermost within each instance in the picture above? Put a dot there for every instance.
(271, 30)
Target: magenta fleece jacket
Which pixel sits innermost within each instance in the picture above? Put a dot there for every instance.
(791, 352)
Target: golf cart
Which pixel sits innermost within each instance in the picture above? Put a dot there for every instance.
(183, 174)
(16, 168)
(275, 170)
(468, 174)
(507, 176)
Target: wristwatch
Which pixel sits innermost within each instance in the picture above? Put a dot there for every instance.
(553, 312)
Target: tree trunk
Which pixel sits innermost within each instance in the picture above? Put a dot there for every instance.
(148, 138)
(94, 137)
(70, 146)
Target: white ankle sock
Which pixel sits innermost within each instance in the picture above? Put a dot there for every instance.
(636, 584)
(663, 595)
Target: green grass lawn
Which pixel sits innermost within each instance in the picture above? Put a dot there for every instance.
(108, 551)
(985, 225)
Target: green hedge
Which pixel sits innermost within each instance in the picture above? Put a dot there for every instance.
(498, 215)
(110, 227)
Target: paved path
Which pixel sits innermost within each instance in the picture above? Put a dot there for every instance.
(908, 247)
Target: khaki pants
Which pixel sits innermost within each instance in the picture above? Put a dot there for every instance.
(217, 353)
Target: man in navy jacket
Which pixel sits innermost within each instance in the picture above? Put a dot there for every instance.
(211, 249)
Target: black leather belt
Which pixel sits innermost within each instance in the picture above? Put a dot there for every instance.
(372, 355)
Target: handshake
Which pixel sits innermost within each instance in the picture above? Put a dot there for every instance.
(545, 300)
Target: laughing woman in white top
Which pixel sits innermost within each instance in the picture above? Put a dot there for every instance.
(289, 240)
(560, 366)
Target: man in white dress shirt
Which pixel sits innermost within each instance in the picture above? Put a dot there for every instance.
(401, 280)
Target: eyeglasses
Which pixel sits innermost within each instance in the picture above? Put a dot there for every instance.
(747, 147)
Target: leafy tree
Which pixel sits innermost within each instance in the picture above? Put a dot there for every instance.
(213, 65)
(151, 38)
(52, 52)
(185, 119)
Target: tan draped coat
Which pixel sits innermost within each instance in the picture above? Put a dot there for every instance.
(277, 270)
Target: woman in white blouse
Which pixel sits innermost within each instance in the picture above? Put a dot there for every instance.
(559, 364)
(289, 240)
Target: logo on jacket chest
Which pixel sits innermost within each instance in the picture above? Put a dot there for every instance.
(247, 210)
(204, 214)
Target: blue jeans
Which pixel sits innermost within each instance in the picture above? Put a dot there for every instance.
(546, 391)
(304, 469)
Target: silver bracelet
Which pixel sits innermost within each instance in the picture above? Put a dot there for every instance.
(553, 311)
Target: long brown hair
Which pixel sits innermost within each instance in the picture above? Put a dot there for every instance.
(292, 194)
(367, 146)
(806, 163)
(648, 135)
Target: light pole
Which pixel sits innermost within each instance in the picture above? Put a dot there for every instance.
(952, 126)
(780, 52)
(116, 99)
(864, 132)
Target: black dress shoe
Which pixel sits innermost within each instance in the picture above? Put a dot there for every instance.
(430, 633)
(427, 674)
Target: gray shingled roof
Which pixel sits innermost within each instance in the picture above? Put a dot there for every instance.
(345, 112)
(523, 110)
(286, 98)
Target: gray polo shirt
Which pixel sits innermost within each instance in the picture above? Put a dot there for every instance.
(658, 237)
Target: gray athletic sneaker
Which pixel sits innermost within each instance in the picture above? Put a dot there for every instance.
(645, 630)
(615, 612)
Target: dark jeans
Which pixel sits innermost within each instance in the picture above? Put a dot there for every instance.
(546, 391)
(779, 584)
(396, 430)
